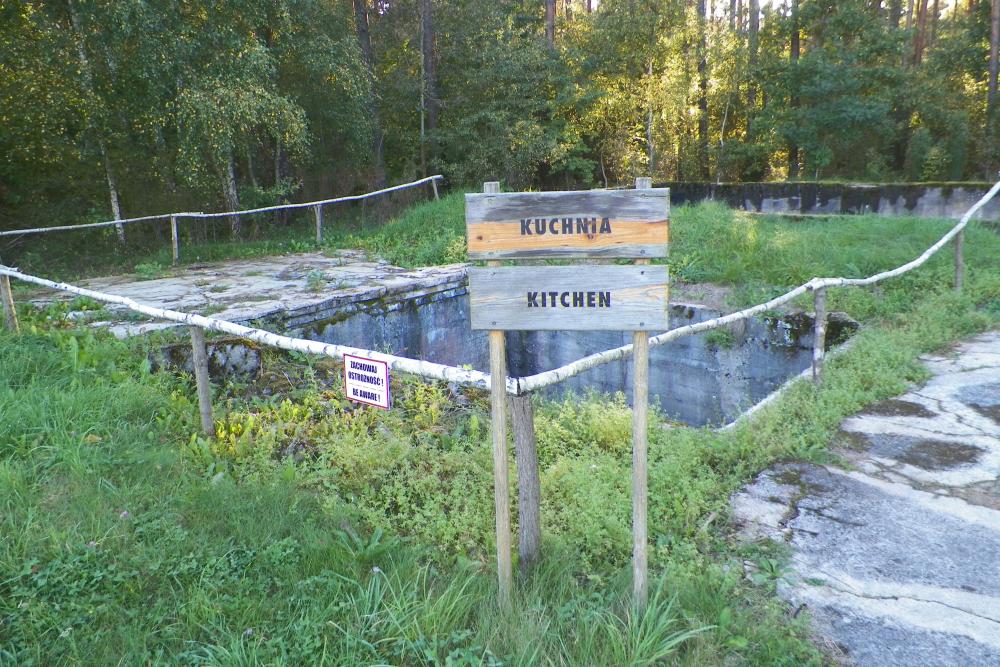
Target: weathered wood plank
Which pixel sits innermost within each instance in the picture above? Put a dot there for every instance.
(175, 243)
(588, 223)
(498, 430)
(7, 299)
(577, 298)
(529, 488)
(819, 335)
(959, 260)
(199, 360)
(640, 472)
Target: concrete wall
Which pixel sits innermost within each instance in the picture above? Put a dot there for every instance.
(917, 200)
(699, 380)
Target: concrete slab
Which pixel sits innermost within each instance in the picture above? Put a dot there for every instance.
(898, 560)
(285, 291)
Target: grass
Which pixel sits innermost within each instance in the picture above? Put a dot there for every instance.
(311, 532)
(120, 545)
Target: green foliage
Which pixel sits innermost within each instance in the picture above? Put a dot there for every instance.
(425, 234)
(170, 103)
(311, 530)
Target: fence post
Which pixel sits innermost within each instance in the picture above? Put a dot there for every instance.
(640, 400)
(199, 359)
(175, 243)
(434, 184)
(318, 210)
(529, 492)
(7, 297)
(819, 335)
(959, 260)
(501, 474)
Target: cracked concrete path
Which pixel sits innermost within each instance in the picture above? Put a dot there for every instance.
(898, 559)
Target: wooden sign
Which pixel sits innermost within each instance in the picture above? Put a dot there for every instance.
(588, 297)
(591, 223)
(366, 381)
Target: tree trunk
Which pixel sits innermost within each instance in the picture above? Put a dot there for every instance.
(992, 92)
(935, 15)
(651, 153)
(920, 37)
(431, 102)
(550, 23)
(703, 88)
(895, 13)
(88, 76)
(230, 193)
(378, 141)
(793, 147)
(754, 27)
(590, 6)
(116, 209)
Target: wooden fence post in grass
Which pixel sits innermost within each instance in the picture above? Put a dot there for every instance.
(640, 399)
(318, 210)
(501, 474)
(175, 244)
(959, 260)
(7, 297)
(819, 335)
(199, 360)
(529, 492)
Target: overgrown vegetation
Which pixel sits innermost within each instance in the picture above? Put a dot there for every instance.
(314, 531)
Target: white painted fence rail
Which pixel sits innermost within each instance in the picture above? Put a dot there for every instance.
(539, 380)
(415, 366)
(515, 386)
(225, 214)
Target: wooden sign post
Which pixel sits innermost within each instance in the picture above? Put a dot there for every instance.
(603, 224)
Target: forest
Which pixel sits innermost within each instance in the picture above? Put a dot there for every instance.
(114, 108)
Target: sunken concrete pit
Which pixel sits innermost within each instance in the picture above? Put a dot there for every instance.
(700, 380)
(348, 298)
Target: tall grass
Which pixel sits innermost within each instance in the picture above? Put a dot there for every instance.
(124, 539)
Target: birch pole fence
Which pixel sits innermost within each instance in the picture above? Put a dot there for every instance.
(514, 386)
(540, 380)
(427, 369)
(174, 218)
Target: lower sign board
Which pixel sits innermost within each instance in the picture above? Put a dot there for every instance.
(366, 381)
(581, 298)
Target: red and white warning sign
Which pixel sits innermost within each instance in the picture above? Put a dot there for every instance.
(366, 381)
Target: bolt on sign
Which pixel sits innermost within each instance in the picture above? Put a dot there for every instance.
(366, 381)
(605, 224)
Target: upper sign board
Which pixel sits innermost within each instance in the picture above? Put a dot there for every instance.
(628, 224)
